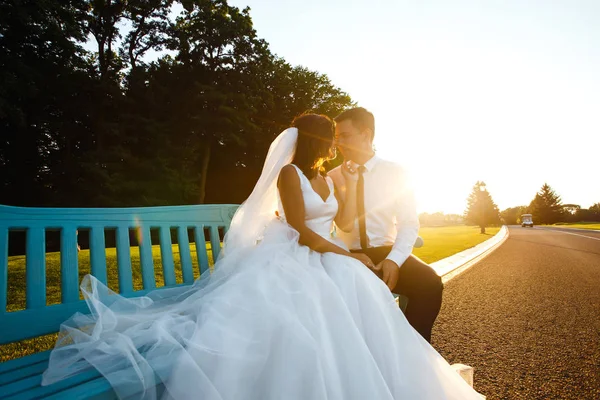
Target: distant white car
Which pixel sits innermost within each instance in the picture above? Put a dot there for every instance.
(526, 221)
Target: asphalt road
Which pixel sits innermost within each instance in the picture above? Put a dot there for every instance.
(527, 317)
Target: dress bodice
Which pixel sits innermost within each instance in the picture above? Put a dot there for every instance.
(319, 214)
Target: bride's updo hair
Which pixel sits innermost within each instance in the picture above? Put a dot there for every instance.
(315, 143)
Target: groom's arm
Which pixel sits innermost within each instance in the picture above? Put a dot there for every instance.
(407, 220)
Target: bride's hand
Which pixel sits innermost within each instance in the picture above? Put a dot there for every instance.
(363, 258)
(349, 173)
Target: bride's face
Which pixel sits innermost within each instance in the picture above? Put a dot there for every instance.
(350, 140)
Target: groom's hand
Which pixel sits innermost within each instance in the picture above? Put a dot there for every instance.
(390, 272)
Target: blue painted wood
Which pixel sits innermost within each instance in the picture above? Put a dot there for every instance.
(18, 325)
(36, 267)
(22, 377)
(166, 255)
(124, 260)
(184, 254)
(86, 385)
(11, 365)
(24, 372)
(3, 267)
(69, 270)
(30, 387)
(95, 389)
(215, 242)
(22, 217)
(146, 261)
(43, 319)
(100, 387)
(402, 301)
(20, 385)
(201, 248)
(98, 253)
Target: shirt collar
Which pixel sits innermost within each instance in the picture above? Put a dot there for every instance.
(369, 165)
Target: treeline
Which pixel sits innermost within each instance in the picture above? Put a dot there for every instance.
(177, 105)
(547, 208)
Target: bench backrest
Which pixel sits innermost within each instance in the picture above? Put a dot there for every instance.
(38, 318)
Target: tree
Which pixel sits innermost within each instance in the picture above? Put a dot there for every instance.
(591, 214)
(217, 90)
(481, 209)
(149, 29)
(42, 73)
(112, 128)
(440, 219)
(512, 215)
(434, 219)
(570, 211)
(546, 207)
(571, 208)
(287, 92)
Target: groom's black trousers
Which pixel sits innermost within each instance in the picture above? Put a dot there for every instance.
(421, 284)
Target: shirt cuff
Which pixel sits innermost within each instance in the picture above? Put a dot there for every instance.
(398, 256)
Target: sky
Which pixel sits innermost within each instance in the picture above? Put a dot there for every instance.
(507, 92)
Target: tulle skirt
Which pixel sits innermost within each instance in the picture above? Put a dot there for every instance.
(276, 321)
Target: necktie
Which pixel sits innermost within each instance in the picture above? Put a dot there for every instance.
(360, 205)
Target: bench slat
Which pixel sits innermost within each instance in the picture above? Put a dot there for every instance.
(69, 270)
(35, 267)
(215, 242)
(21, 373)
(201, 248)
(184, 255)
(110, 217)
(22, 362)
(30, 388)
(124, 260)
(21, 385)
(3, 268)
(95, 389)
(46, 321)
(166, 255)
(85, 385)
(146, 261)
(98, 253)
(100, 388)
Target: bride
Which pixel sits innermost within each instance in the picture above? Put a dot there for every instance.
(288, 313)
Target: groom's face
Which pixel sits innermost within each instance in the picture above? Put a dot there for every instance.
(350, 140)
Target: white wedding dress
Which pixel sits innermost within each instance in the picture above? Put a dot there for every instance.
(274, 321)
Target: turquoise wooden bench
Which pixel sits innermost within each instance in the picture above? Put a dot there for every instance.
(21, 378)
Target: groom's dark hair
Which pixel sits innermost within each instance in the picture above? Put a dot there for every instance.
(361, 118)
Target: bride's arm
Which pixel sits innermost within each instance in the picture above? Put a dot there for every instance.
(293, 206)
(346, 199)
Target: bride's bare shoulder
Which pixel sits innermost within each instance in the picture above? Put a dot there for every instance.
(288, 174)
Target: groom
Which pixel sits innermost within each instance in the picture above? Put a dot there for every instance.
(387, 223)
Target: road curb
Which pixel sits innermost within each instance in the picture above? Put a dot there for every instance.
(450, 267)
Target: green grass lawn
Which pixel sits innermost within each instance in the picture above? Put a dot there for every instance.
(440, 242)
(444, 241)
(579, 225)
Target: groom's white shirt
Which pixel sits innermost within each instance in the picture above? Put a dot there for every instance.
(391, 214)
